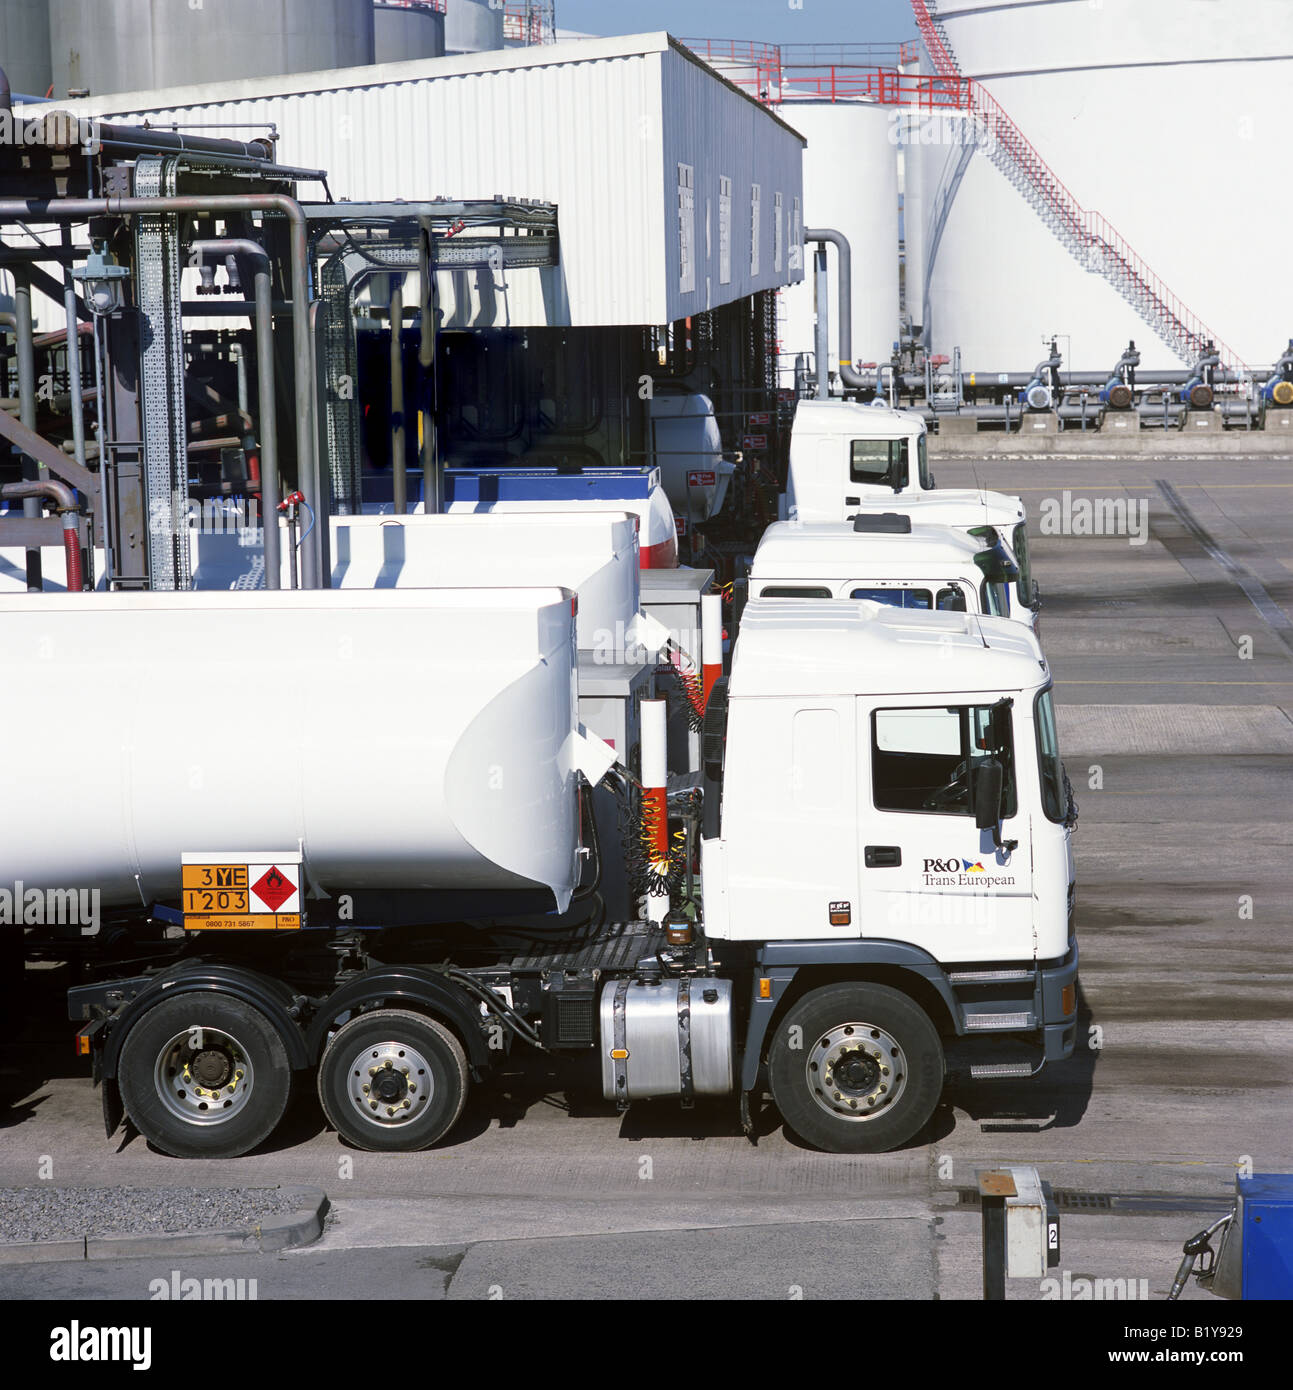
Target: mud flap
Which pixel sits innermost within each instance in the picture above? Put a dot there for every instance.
(113, 1110)
(747, 1119)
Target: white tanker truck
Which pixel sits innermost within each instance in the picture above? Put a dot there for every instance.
(346, 834)
(848, 460)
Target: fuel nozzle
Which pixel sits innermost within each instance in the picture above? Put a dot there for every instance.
(1196, 1246)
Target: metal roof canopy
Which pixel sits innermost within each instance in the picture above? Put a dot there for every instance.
(614, 131)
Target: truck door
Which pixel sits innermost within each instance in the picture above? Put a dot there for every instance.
(928, 875)
(789, 826)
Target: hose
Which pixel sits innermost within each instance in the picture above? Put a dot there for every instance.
(683, 669)
(498, 1005)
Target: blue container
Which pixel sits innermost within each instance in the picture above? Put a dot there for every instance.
(1266, 1201)
(547, 484)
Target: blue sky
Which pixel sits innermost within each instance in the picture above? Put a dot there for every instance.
(773, 21)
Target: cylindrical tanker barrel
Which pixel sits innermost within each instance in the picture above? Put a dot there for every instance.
(594, 554)
(408, 739)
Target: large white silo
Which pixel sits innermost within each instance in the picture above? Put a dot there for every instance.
(850, 185)
(134, 45)
(472, 26)
(1167, 116)
(403, 33)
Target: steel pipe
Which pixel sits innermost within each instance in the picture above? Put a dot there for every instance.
(64, 500)
(399, 463)
(266, 398)
(314, 554)
(844, 334)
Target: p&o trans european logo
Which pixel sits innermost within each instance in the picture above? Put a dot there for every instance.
(957, 872)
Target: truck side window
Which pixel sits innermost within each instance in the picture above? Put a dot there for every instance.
(920, 758)
(896, 598)
(996, 599)
(951, 599)
(882, 461)
(1024, 585)
(792, 591)
(922, 464)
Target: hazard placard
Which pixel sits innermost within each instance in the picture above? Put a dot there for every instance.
(241, 891)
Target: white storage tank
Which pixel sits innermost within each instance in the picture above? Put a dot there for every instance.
(24, 45)
(850, 185)
(404, 33)
(410, 739)
(472, 26)
(1170, 118)
(139, 45)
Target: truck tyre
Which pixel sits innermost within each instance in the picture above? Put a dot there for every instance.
(393, 1081)
(204, 1076)
(855, 1068)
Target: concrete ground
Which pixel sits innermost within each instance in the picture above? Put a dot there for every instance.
(1173, 662)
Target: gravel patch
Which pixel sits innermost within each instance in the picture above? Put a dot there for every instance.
(62, 1213)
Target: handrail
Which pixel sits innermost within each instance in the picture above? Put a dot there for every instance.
(930, 30)
(1089, 234)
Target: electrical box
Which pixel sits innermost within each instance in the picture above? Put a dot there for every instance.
(1032, 1227)
(1256, 1255)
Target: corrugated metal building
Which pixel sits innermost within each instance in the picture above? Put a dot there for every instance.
(676, 191)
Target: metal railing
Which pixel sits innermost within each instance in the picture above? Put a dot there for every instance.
(1089, 236)
(437, 5)
(530, 22)
(935, 39)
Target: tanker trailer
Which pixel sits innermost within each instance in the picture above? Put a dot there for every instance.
(471, 726)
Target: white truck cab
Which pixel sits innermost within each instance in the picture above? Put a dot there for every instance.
(892, 807)
(856, 740)
(847, 459)
(886, 559)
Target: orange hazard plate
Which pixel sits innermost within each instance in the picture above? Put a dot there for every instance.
(221, 901)
(255, 921)
(214, 876)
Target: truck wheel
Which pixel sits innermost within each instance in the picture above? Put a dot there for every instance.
(204, 1076)
(393, 1081)
(856, 1068)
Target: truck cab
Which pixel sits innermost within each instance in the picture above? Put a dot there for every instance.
(892, 808)
(847, 459)
(885, 559)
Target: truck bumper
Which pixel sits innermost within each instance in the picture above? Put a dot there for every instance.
(1059, 1027)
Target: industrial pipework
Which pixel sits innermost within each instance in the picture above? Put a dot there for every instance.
(64, 500)
(844, 334)
(266, 401)
(1278, 387)
(1043, 387)
(1197, 391)
(1119, 392)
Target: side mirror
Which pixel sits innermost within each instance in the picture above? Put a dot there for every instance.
(986, 784)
